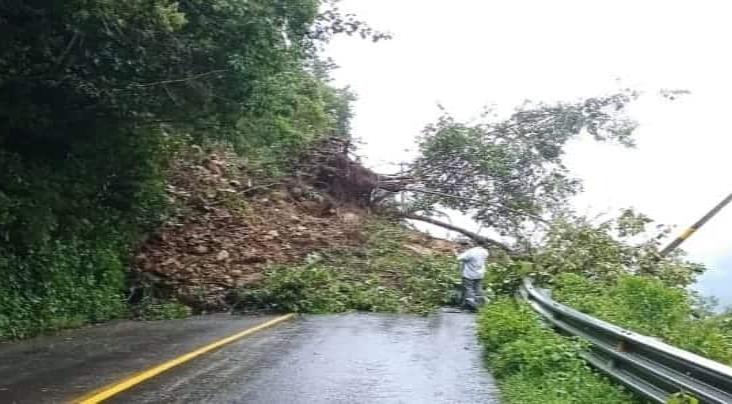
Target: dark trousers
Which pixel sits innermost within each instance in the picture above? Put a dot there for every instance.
(472, 296)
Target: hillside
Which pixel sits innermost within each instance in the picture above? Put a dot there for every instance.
(97, 101)
(229, 227)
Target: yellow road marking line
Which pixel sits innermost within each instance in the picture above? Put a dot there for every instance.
(113, 389)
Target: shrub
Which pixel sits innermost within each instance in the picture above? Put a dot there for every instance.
(651, 307)
(151, 309)
(609, 249)
(382, 276)
(322, 288)
(579, 387)
(309, 289)
(62, 285)
(503, 321)
(86, 135)
(539, 352)
(534, 364)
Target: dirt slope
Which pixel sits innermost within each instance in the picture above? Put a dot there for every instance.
(227, 228)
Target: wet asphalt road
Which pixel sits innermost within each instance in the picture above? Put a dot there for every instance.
(349, 358)
(62, 367)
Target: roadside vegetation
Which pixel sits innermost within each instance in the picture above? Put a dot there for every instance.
(100, 101)
(96, 100)
(160, 158)
(393, 271)
(607, 269)
(534, 364)
(648, 306)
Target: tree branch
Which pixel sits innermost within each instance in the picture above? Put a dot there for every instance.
(173, 81)
(475, 236)
(526, 214)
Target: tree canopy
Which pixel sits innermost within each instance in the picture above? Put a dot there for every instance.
(97, 96)
(607, 249)
(507, 172)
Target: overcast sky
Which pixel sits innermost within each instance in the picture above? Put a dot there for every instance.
(465, 54)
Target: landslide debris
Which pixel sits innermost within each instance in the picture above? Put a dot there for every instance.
(229, 224)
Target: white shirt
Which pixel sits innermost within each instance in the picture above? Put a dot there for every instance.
(473, 261)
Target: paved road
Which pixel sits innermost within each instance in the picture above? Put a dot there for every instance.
(68, 365)
(349, 358)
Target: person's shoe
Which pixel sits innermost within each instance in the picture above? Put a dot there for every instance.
(470, 303)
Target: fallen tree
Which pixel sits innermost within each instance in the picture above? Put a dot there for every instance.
(475, 236)
(504, 174)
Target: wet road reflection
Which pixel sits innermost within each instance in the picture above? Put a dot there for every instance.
(348, 358)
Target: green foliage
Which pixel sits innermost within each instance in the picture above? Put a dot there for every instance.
(66, 227)
(563, 388)
(536, 355)
(96, 96)
(608, 269)
(601, 251)
(505, 172)
(241, 70)
(383, 276)
(326, 288)
(504, 321)
(64, 284)
(650, 307)
(505, 277)
(536, 365)
(310, 290)
(682, 398)
(631, 301)
(152, 309)
(609, 249)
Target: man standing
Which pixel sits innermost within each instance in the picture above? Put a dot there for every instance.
(472, 262)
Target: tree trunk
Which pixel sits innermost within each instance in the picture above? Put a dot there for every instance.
(474, 236)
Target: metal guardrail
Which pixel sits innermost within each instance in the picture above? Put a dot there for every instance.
(650, 367)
